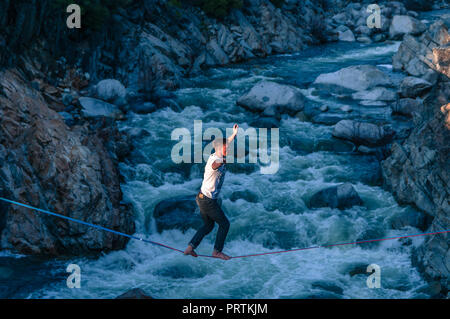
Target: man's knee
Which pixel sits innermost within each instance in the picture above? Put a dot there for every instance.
(209, 227)
(225, 223)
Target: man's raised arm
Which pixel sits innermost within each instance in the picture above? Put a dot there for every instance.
(235, 130)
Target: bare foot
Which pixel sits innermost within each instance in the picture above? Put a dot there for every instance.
(190, 251)
(218, 254)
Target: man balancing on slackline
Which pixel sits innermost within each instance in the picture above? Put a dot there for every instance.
(207, 199)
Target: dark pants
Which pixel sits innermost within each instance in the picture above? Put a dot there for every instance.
(211, 212)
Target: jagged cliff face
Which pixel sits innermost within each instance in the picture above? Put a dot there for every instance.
(418, 170)
(187, 40)
(46, 164)
(155, 43)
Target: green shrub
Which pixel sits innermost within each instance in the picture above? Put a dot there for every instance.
(418, 5)
(277, 3)
(94, 13)
(317, 28)
(218, 8)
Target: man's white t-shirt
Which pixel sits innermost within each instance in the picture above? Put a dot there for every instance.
(213, 179)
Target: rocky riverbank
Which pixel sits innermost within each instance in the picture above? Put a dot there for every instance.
(417, 171)
(70, 170)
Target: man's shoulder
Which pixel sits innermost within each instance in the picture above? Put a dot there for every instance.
(213, 158)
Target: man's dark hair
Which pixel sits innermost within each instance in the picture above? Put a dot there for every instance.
(218, 142)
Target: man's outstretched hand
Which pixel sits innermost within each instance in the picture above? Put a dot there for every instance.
(235, 129)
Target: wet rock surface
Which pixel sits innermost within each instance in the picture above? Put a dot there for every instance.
(177, 213)
(352, 79)
(46, 164)
(135, 293)
(363, 133)
(340, 196)
(273, 98)
(417, 171)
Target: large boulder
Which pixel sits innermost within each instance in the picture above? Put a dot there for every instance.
(92, 108)
(441, 59)
(352, 79)
(346, 36)
(362, 133)
(71, 171)
(376, 94)
(270, 95)
(403, 24)
(143, 108)
(422, 48)
(413, 87)
(136, 293)
(408, 107)
(341, 196)
(177, 213)
(217, 53)
(110, 90)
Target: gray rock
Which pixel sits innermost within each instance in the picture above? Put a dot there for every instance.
(416, 67)
(286, 98)
(96, 108)
(340, 18)
(341, 196)
(136, 293)
(431, 76)
(265, 122)
(411, 218)
(418, 169)
(357, 269)
(413, 14)
(351, 79)
(177, 213)
(407, 51)
(137, 133)
(362, 133)
(402, 24)
(246, 195)
(342, 29)
(346, 36)
(366, 150)
(364, 30)
(110, 90)
(143, 108)
(68, 118)
(364, 39)
(327, 118)
(441, 58)
(217, 53)
(162, 103)
(433, 258)
(346, 108)
(408, 106)
(67, 98)
(68, 170)
(379, 37)
(413, 87)
(372, 103)
(376, 94)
